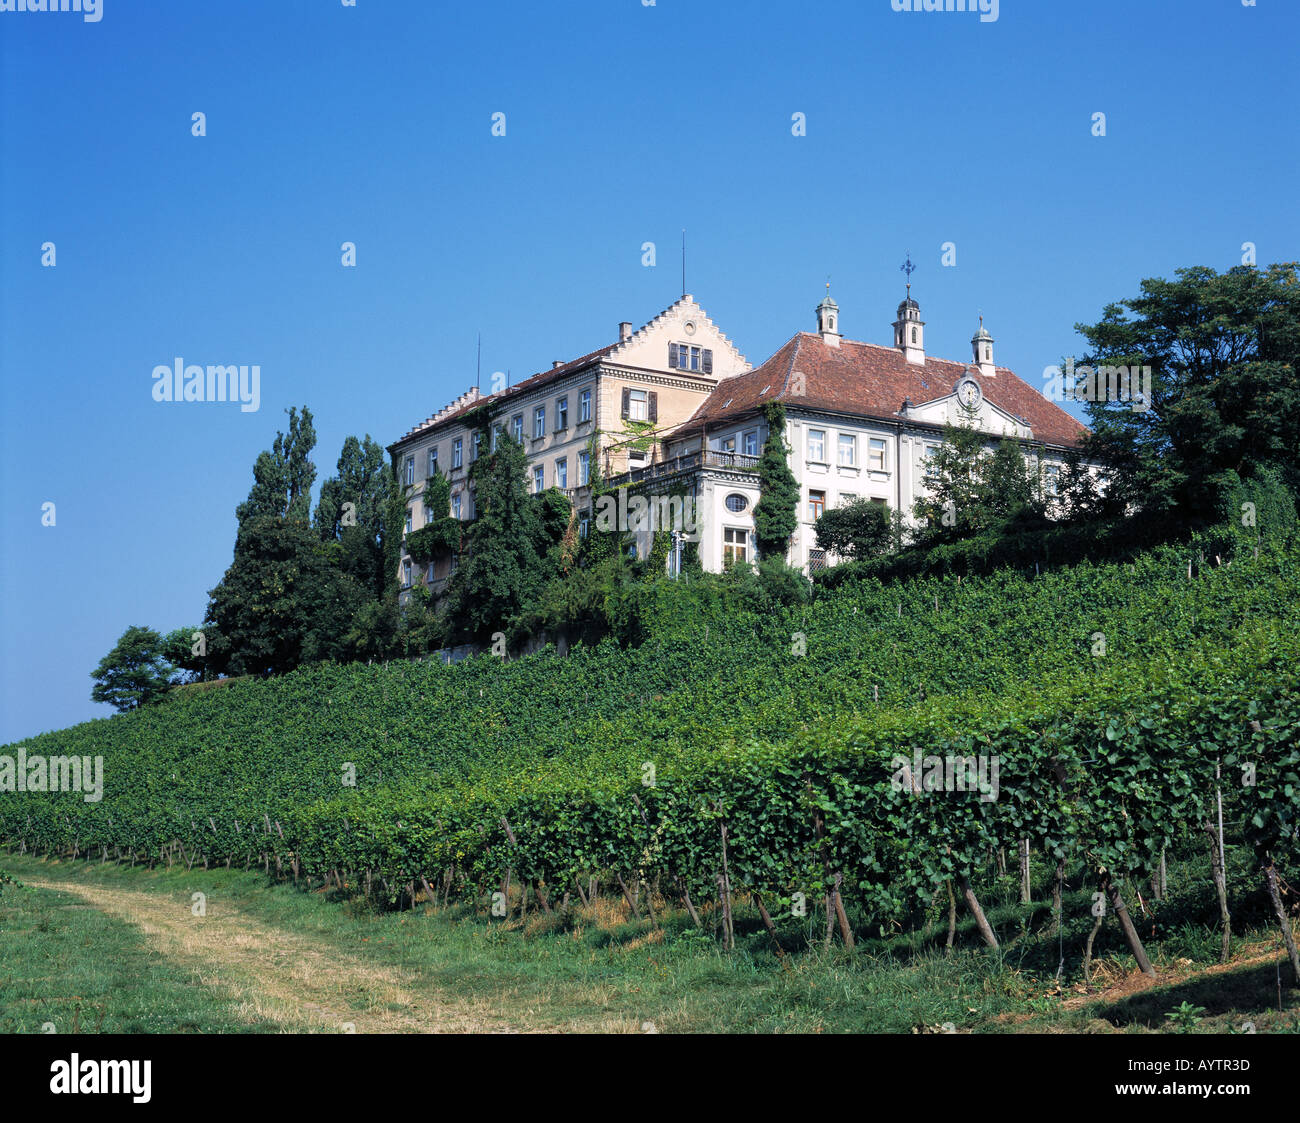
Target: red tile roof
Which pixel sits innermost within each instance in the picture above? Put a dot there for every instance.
(872, 381)
(533, 382)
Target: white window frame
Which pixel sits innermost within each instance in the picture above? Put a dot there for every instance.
(638, 408)
(517, 427)
(819, 443)
(433, 461)
(458, 452)
(562, 473)
(408, 471)
(1052, 479)
(584, 468)
(539, 422)
(539, 478)
(735, 543)
(561, 413)
(929, 454)
(847, 441)
(455, 505)
(750, 439)
(584, 406)
(874, 445)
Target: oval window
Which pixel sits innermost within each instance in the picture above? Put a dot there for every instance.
(736, 503)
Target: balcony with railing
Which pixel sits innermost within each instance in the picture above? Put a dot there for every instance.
(712, 458)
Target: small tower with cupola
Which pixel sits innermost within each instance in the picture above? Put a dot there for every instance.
(982, 351)
(828, 319)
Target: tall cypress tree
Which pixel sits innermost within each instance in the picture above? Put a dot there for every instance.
(777, 513)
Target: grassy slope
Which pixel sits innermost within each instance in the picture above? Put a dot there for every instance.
(603, 973)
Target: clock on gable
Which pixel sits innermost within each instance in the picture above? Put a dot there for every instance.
(969, 393)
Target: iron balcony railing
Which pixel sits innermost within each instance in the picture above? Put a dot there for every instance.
(710, 459)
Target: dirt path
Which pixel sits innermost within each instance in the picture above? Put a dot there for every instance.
(280, 974)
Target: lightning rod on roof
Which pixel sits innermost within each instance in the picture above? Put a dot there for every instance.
(683, 262)
(478, 362)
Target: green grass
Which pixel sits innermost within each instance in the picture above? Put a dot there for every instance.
(65, 967)
(597, 973)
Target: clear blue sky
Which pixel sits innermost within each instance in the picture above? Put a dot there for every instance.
(624, 124)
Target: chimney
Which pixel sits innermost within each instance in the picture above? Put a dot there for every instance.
(624, 331)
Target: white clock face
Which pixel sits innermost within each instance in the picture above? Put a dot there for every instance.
(968, 393)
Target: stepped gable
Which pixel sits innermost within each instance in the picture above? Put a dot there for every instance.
(685, 301)
(869, 380)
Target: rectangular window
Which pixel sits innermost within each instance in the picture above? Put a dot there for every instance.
(428, 574)
(584, 406)
(539, 478)
(931, 455)
(848, 446)
(584, 469)
(474, 444)
(728, 444)
(406, 575)
(584, 525)
(455, 563)
(751, 443)
(817, 445)
(433, 461)
(408, 471)
(517, 427)
(408, 520)
(562, 414)
(735, 544)
(469, 504)
(457, 447)
(1052, 479)
(816, 505)
(637, 409)
(687, 356)
(496, 436)
(539, 422)
(876, 454)
(455, 505)
(847, 497)
(562, 472)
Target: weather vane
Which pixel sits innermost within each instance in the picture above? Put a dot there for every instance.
(908, 268)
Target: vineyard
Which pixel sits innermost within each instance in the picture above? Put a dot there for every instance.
(793, 762)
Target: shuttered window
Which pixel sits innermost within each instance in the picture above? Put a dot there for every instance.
(686, 356)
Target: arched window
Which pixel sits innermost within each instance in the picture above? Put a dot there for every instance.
(914, 335)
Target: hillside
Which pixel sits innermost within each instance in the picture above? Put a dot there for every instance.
(1107, 692)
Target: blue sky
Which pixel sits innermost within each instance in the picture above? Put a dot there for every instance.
(624, 124)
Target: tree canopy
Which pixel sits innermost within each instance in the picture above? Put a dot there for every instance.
(1224, 350)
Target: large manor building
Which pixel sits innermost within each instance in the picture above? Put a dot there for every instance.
(673, 408)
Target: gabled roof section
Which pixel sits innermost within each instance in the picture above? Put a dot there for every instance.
(683, 308)
(872, 381)
(457, 411)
